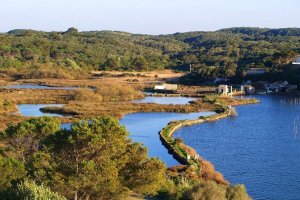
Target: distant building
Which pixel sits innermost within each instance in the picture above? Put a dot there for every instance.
(290, 88)
(256, 71)
(248, 89)
(279, 86)
(225, 90)
(166, 86)
(297, 61)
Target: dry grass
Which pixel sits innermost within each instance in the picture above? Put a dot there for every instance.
(33, 96)
(113, 91)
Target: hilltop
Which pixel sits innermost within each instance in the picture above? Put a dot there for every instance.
(223, 53)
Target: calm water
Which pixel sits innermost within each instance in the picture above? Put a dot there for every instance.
(31, 86)
(165, 100)
(33, 110)
(144, 128)
(259, 148)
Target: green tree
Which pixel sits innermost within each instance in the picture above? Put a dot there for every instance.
(140, 173)
(94, 160)
(10, 170)
(141, 64)
(23, 139)
(190, 58)
(111, 63)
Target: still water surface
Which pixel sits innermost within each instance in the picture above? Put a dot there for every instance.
(32, 86)
(33, 110)
(144, 128)
(259, 148)
(165, 100)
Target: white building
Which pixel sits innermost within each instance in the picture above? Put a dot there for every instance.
(225, 90)
(297, 61)
(166, 86)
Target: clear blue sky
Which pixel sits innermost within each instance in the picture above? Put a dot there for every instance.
(147, 16)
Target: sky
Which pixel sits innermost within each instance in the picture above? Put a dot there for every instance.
(147, 16)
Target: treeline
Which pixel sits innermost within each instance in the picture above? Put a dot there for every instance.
(224, 53)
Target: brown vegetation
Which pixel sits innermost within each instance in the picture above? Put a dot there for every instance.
(208, 172)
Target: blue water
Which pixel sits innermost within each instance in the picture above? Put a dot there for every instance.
(165, 100)
(31, 86)
(33, 110)
(259, 148)
(144, 128)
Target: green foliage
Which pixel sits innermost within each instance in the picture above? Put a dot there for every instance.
(206, 191)
(24, 138)
(11, 170)
(223, 53)
(209, 190)
(29, 190)
(237, 192)
(140, 173)
(95, 160)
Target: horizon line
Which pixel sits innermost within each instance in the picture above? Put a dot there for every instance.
(123, 31)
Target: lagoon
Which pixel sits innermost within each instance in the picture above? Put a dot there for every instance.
(259, 148)
(33, 110)
(144, 128)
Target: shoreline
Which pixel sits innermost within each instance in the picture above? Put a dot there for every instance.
(180, 150)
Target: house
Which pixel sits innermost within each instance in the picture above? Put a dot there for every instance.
(159, 87)
(248, 89)
(290, 88)
(278, 86)
(256, 71)
(225, 90)
(297, 61)
(165, 86)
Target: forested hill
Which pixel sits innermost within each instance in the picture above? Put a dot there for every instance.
(222, 53)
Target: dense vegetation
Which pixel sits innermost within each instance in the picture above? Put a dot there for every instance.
(92, 160)
(223, 53)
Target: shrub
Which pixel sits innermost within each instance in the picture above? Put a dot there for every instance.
(29, 190)
(237, 192)
(209, 173)
(207, 190)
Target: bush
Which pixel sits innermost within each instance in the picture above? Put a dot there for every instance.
(29, 190)
(209, 173)
(208, 190)
(237, 192)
